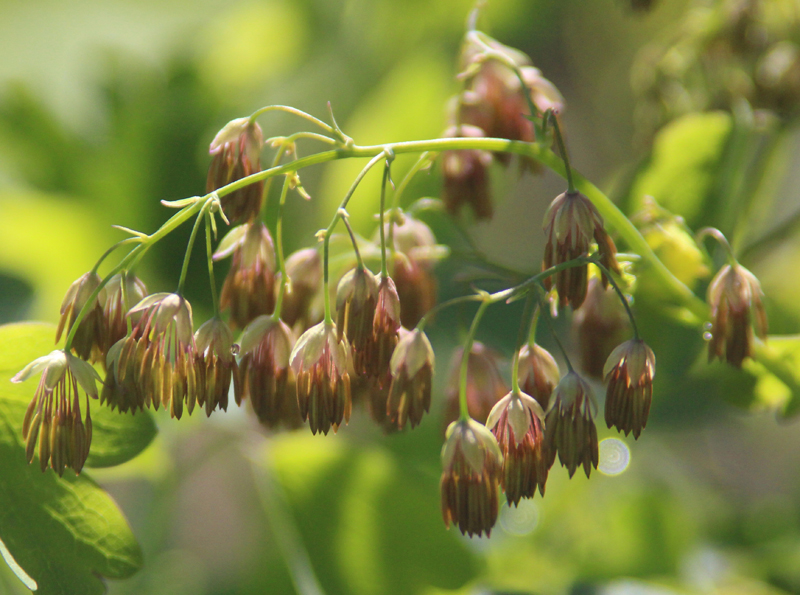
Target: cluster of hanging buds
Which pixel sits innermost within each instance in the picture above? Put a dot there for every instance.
(306, 353)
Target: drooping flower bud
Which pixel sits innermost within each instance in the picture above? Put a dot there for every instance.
(385, 331)
(485, 384)
(120, 299)
(570, 224)
(416, 288)
(356, 300)
(735, 299)
(121, 387)
(495, 100)
(412, 374)
(88, 340)
(267, 377)
(304, 269)
(52, 426)
(322, 363)
(236, 154)
(570, 428)
(466, 175)
(538, 373)
(629, 372)
(249, 288)
(600, 325)
(517, 421)
(416, 253)
(216, 366)
(162, 347)
(471, 469)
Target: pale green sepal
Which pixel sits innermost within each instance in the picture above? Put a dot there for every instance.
(497, 410)
(85, 374)
(254, 332)
(230, 242)
(39, 364)
(229, 133)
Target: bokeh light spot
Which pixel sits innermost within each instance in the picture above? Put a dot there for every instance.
(521, 519)
(615, 456)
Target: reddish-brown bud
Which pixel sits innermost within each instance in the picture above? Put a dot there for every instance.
(89, 338)
(304, 270)
(466, 175)
(236, 154)
(356, 300)
(538, 373)
(416, 288)
(485, 384)
(216, 366)
(570, 428)
(322, 363)
(267, 377)
(570, 224)
(600, 324)
(385, 331)
(412, 374)
(629, 372)
(471, 462)
(517, 421)
(162, 347)
(735, 298)
(249, 288)
(119, 299)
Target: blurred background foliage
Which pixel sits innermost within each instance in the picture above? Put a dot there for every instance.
(108, 106)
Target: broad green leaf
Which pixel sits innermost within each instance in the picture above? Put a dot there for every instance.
(356, 507)
(683, 168)
(64, 533)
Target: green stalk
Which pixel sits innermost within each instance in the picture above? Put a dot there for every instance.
(210, 258)
(329, 231)
(462, 381)
(279, 251)
(188, 255)
(621, 296)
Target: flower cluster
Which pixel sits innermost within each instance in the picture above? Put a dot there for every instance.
(306, 345)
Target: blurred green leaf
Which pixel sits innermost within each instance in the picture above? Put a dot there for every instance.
(66, 532)
(405, 105)
(48, 243)
(358, 509)
(682, 171)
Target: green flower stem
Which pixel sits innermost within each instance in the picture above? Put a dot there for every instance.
(384, 270)
(721, 240)
(570, 184)
(521, 338)
(108, 252)
(624, 301)
(611, 214)
(474, 297)
(534, 323)
(549, 319)
(359, 260)
(169, 226)
(327, 235)
(279, 251)
(189, 246)
(462, 380)
(296, 112)
(210, 258)
(420, 163)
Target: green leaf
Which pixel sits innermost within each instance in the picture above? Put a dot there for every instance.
(683, 169)
(355, 508)
(63, 533)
